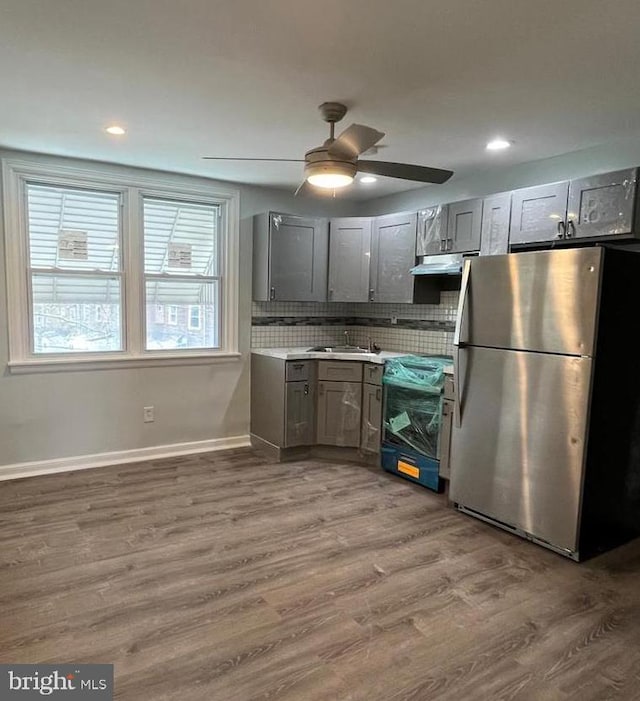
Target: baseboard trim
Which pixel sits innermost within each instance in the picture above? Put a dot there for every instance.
(86, 462)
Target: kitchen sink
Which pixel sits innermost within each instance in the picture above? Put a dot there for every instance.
(341, 349)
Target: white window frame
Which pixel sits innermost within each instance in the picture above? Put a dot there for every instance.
(132, 186)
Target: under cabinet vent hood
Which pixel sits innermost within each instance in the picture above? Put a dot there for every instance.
(449, 264)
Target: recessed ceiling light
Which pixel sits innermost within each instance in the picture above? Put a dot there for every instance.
(115, 130)
(368, 179)
(498, 144)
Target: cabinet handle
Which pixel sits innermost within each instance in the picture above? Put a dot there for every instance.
(272, 293)
(378, 394)
(320, 389)
(571, 229)
(306, 389)
(443, 244)
(371, 295)
(561, 230)
(449, 244)
(330, 294)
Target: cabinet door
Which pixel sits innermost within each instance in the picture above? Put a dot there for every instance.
(536, 213)
(339, 413)
(393, 254)
(371, 418)
(349, 257)
(432, 230)
(298, 258)
(496, 213)
(602, 205)
(464, 226)
(299, 414)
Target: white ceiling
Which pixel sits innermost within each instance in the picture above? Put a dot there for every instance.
(244, 78)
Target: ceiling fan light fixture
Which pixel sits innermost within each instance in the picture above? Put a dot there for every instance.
(330, 174)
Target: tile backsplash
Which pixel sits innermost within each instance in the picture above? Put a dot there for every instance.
(414, 328)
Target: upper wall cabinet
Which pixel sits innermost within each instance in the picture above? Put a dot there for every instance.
(496, 213)
(452, 228)
(593, 207)
(538, 213)
(464, 226)
(393, 254)
(349, 259)
(290, 258)
(432, 230)
(602, 205)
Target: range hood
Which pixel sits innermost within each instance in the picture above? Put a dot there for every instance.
(446, 264)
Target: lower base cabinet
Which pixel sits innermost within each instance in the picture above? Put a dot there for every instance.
(371, 418)
(339, 411)
(300, 413)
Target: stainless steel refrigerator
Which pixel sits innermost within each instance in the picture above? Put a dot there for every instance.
(547, 436)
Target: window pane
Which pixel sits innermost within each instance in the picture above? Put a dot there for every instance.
(180, 300)
(73, 229)
(75, 314)
(180, 238)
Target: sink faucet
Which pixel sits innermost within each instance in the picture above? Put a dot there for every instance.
(346, 338)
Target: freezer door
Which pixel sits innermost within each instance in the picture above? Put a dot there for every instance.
(518, 454)
(539, 301)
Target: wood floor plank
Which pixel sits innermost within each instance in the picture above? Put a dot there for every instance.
(224, 576)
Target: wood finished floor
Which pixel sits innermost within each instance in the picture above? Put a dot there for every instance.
(225, 578)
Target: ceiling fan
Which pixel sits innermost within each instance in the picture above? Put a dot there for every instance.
(334, 164)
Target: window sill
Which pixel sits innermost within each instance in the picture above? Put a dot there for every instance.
(24, 367)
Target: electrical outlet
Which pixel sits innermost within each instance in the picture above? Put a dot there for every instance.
(394, 319)
(149, 416)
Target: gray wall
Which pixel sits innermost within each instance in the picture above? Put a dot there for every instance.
(619, 154)
(45, 416)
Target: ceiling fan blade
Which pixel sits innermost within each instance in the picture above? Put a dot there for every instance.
(303, 189)
(226, 158)
(406, 171)
(355, 140)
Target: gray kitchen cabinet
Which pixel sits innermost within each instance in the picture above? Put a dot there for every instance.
(283, 401)
(496, 215)
(300, 403)
(393, 254)
(339, 411)
(432, 230)
(349, 259)
(371, 435)
(538, 213)
(290, 258)
(602, 205)
(464, 226)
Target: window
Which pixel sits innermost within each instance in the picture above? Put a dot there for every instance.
(75, 269)
(181, 271)
(103, 268)
(194, 318)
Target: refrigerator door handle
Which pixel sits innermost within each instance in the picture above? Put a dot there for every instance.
(462, 304)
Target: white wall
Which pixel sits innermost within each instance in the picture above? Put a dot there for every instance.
(55, 415)
(619, 154)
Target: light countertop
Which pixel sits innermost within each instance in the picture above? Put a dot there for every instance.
(305, 354)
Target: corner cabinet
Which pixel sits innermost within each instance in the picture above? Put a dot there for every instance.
(349, 259)
(393, 254)
(290, 258)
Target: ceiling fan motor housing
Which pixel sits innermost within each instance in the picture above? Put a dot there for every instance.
(319, 161)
